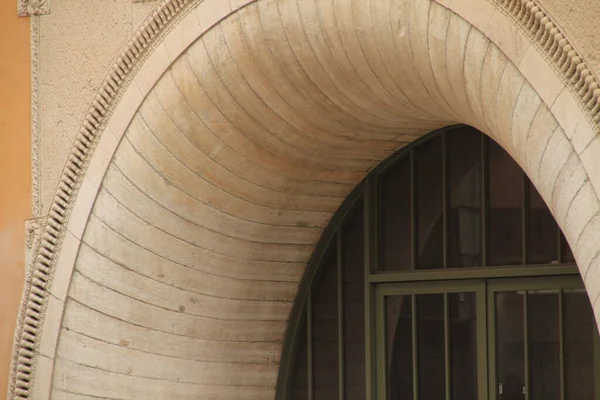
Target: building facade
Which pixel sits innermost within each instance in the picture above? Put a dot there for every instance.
(175, 172)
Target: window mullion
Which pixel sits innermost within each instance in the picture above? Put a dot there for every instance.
(309, 345)
(413, 213)
(415, 344)
(444, 202)
(447, 346)
(526, 346)
(340, 313)
(484, 199)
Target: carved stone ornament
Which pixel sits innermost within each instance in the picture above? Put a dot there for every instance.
(33, 233)
(33, 230)
(33, 7)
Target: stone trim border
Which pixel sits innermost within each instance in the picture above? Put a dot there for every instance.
(526, 14)
(33, 7)
(34, 43)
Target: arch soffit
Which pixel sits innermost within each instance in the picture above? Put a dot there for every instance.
(526, 36)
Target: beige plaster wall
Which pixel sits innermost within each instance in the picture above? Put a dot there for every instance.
(579, 19)
(77, 42)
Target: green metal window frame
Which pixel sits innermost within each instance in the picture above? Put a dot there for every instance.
(485, 290)
(367, 192)
(476, 286)
(553, 283)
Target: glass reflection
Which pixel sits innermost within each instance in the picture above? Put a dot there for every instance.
(510, 346)
(463, 345)
(353, 279)
(506, 181)
(431, 346)
(399, 338)
(325, 331)
(395, 248)
(542, 232)
(544, 344)
(464, 198)
(429, 184)
(581, 372)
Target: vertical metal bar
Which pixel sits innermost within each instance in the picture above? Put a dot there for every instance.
(381, 347)
(415, 343)
(413, 210)
(367, 222)
(309, 345)
(373, 226)
(369, 259)
(444, 201)
(525, 218)
(447, 346)
(561, 344)
(491, 346)
(340, 314)
(526, 345)
(370, 343)
(485, 340)
(484, 199)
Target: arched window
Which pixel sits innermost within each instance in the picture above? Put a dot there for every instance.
(443, 276)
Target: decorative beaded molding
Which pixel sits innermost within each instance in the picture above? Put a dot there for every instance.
(526, 14)
(35, 117)
(33, 7)
(563, 56)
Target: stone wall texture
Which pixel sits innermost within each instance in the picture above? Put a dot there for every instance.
(579, 20)
(75, 44)
(216, 152)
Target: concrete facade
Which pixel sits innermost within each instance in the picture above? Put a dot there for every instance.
(221, 142)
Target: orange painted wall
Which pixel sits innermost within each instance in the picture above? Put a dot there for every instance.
(15, 172)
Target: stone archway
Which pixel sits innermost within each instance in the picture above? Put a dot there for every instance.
(223, 140)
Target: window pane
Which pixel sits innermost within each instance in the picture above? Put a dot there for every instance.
(298, 386)
(428, 164)
(464, 198)
(398, 311)
(431, 347)
(567, 253)
(544, 345)
(579, 331)
(325, 330)
(505, 208)
(463, 345)
(542, 242)
(354, 307)
(510, 349)
(395, 248)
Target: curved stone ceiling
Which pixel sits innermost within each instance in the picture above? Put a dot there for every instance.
(234, 163)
